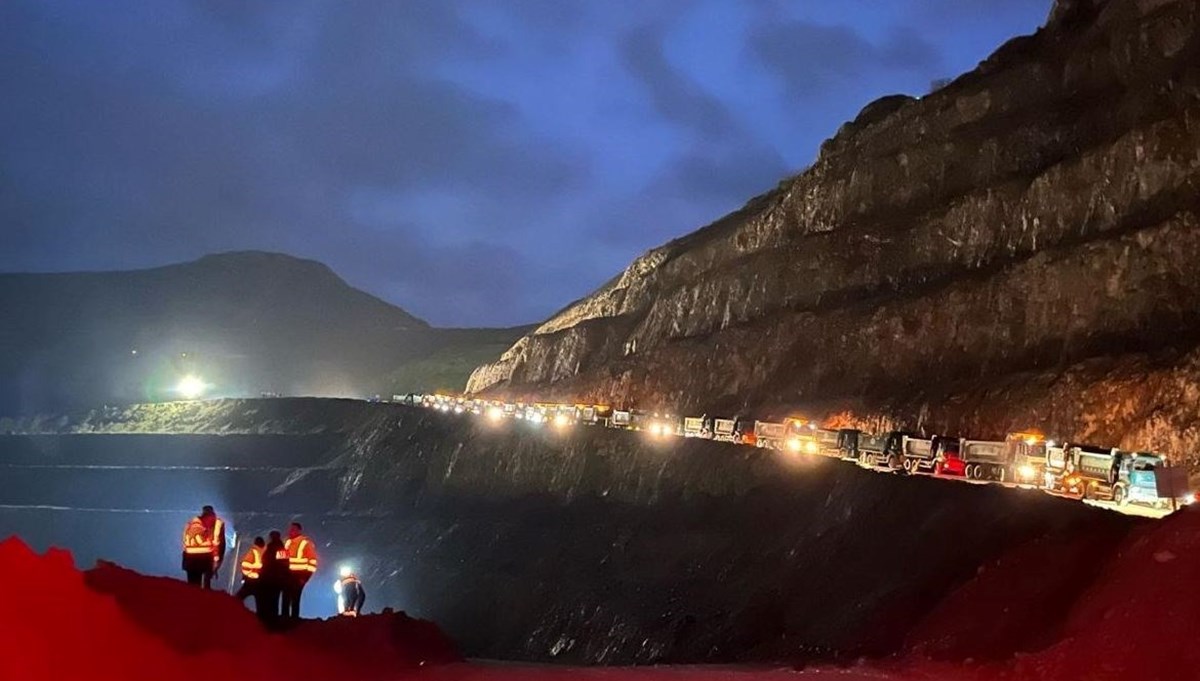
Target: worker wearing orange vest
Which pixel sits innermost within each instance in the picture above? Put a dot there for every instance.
(302, 563)
(203, 547)
(252, 569)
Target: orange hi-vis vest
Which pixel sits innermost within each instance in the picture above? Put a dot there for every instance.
(252, 563)
(302, 555)
(197, 539)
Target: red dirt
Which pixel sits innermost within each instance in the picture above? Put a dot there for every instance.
(1123, 608)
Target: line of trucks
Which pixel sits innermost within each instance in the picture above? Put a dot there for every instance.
(1026, 459)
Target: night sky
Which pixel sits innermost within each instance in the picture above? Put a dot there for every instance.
(477, 162)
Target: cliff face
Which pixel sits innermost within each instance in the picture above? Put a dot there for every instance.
(1035, 218)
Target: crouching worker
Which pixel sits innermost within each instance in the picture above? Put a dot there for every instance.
(252, 566)
(350, 592)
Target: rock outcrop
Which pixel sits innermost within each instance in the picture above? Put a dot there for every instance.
(1025, 235)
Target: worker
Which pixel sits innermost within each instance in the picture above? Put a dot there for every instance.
(302, 563)
(218, 535)
(275, 576)
(252, 565)
(350, 592)
(203, 547)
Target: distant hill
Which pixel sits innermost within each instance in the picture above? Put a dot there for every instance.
(244, 322)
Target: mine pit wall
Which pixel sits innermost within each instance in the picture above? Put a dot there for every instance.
(600, 546)
(1037, 216)
(592, 546)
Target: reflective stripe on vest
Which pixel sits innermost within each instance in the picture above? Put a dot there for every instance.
(195, 539)
(304, 557)
(252, 563)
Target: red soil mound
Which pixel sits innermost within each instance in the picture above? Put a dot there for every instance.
(111, 623)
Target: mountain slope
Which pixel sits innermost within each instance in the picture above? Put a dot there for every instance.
(247, 322)
(1034, 218)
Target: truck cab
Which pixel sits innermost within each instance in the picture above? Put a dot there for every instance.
(881, 450)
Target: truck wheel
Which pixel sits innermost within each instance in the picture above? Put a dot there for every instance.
(1120, 497)
(1000, 475)
(971, 471)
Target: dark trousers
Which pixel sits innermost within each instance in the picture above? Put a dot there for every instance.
(199, 569)
(250, 587)
(266, 603)
(291, 596)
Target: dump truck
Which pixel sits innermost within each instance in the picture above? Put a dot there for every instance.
(771, 434)
(621, 419)
(1110, 474)
(697, 426)
(1019, 458)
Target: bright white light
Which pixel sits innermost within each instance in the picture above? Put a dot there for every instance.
(345, 571)
(794, 444)
(495, 413)
(1027, 472)
(191, 387)
(562, 421)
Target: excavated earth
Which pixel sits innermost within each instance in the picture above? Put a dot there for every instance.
(1015, 249)
(587, 546)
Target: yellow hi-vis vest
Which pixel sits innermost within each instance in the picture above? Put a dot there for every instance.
(302, 555)
(197, 539)
(252, 563)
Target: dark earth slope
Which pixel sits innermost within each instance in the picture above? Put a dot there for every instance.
(1017, 243)
(586, 546)
(246, 322)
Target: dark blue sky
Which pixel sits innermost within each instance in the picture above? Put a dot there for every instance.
(474, 161)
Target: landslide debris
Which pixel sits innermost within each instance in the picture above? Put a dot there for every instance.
(980, 259)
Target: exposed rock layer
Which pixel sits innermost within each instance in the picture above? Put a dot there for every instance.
(1034, 218)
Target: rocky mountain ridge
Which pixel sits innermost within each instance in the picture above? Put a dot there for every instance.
(1031, 223)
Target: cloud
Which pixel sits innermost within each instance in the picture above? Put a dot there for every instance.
(812, 59)
(476, 162)
(722, 162)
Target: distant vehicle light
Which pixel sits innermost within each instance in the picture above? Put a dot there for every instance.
(536, 418)
(458, 409)
(794, 444)
(810, 447)
(1027, 472)
(191, 387)
(495, 413)
(562, 421)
